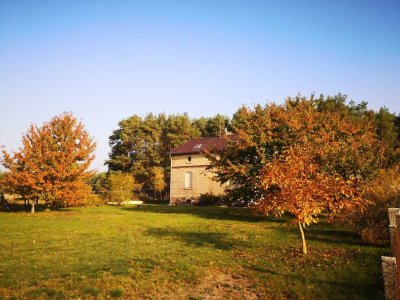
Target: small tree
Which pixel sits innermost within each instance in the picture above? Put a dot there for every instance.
(121, 186)
(52, 163)
(99, 183)
(158, 179)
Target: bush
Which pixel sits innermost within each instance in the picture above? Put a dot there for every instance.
(210, 199)
(116, 293)
(94, 200)
(384, 192)
(121, 186)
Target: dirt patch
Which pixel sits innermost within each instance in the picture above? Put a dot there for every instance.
(218, 284)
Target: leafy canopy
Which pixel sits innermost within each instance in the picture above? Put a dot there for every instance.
(301, 158)
(52, 165)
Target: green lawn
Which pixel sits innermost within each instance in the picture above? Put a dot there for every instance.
(163, 252)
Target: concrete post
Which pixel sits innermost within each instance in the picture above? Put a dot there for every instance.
(389, 277)
(392, 215)
(392, 212)
(396, 251)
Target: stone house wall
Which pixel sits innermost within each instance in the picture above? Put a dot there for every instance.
(202, 179)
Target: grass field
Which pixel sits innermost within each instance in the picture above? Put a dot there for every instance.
(163, 252)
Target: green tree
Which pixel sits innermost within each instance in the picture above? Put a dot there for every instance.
(136, 147)
(388, 132)
(122, 186)
(99, 183)
(217, 125)
(200, 124)
(179, 129)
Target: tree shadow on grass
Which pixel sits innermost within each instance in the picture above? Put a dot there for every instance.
(330, 234)
(217, 240)
(208, 212)
(39, 208)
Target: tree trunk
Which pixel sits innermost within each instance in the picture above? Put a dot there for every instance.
(303, 239)
(33, 207)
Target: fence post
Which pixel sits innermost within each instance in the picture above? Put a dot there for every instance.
(389, 277)
(392, 225)
(396, 252)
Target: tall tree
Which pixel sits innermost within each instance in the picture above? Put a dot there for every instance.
(52, 165)
(217, 125)
(179, 129)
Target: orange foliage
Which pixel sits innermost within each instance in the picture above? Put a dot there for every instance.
(52, 163)
(324, 166)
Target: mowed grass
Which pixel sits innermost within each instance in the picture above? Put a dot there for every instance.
(164, 252)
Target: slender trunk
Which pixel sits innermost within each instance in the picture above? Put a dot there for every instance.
(33, 207)
(303, 239)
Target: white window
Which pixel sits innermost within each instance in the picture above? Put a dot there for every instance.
(188, 180)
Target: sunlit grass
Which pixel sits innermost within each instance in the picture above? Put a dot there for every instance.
(158, 251)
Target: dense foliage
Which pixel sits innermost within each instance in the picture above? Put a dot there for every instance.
(372, 224)
(52, 165)
(306, 156)
(122, 186)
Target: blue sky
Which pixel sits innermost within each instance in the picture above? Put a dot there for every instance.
(107, 60)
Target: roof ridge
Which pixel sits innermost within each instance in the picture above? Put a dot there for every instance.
(199, 145)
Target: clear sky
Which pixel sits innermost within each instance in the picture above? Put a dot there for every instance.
(107, 60)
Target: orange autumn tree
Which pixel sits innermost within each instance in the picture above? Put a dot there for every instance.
(52, 164)
(297, 159)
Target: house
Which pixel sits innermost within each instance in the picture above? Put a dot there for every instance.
(189, 175)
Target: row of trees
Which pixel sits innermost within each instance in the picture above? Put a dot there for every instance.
(304, 157)
(141, 146)
(52, 164)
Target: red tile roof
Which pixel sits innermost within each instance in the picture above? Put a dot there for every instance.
(202, 144)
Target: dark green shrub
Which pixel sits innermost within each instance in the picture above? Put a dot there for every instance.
(90, 291)
(210, 199)
(116, 293)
